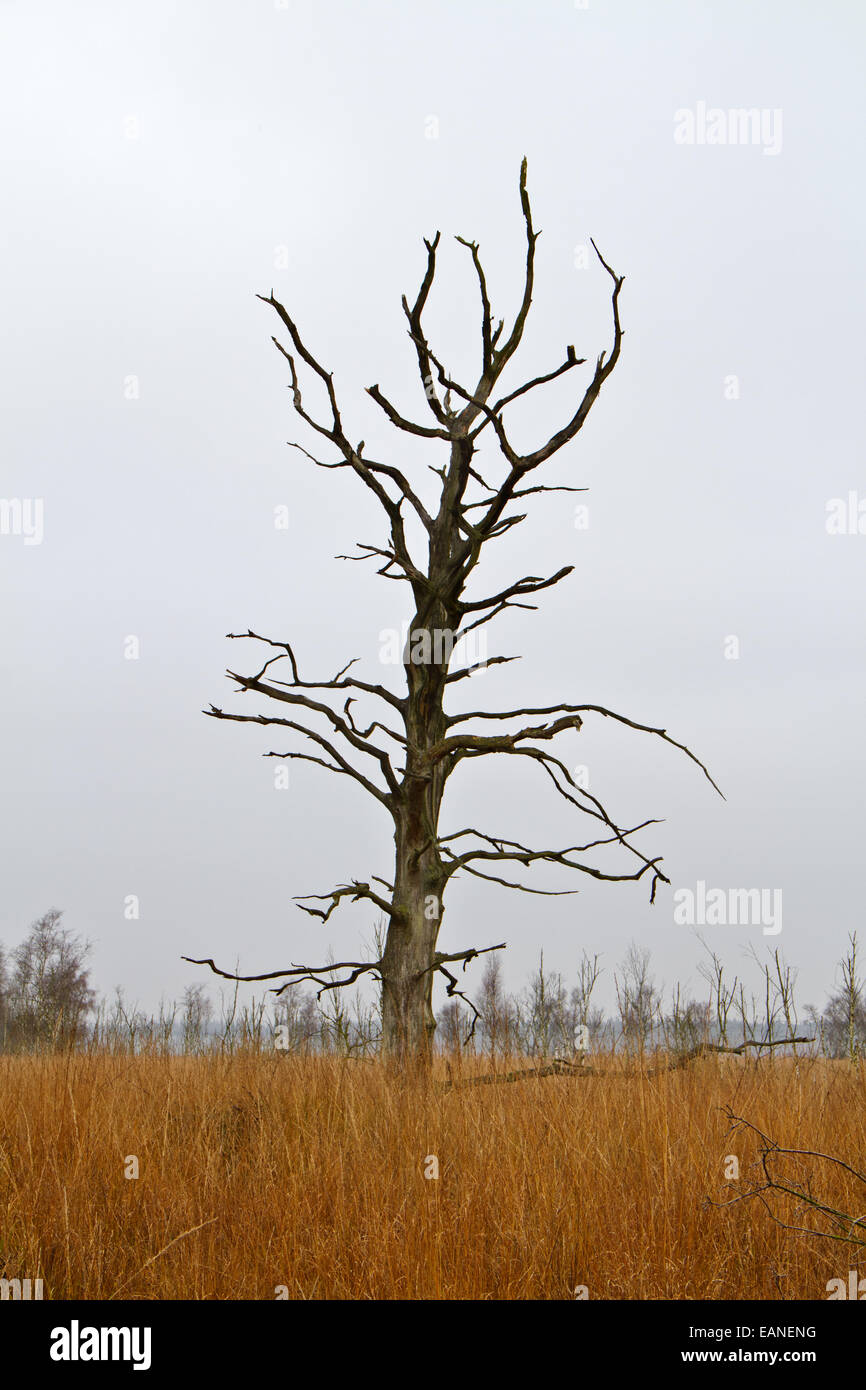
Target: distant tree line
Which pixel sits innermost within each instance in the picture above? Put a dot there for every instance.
(47, 1003)
(549, 1017)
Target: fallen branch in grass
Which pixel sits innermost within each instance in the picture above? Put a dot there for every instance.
(560, 1066)
(845, 1224)
(704, 1049)
(557, 1067)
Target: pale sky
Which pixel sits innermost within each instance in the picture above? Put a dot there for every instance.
(162, 164)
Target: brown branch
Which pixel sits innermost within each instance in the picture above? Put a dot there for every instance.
(467, 557)
(355, 891)
(478, 666)
(486, 329)
(459, 746)
(494, 613)
(408, 426)
(603, 369)
(520, 887)
(335, 433)
(338, 723)
(476, 404)
(554, 767)
(706, 1048)
(338, 683)
(300, 974)
(530, 584)
(411, 573)
(343, 764)
(512, 850)
(586, 709)
(439, 962)
(845, 1224)
(570, 361)
(558, 1067)
(503, 354)
(416, 332)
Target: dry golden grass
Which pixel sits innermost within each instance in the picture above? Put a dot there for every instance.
(258, 1172)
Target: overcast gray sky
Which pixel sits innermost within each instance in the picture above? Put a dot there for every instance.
(164, 162)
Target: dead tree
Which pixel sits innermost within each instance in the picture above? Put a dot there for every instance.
(411, 744)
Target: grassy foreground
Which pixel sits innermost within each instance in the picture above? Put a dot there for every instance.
(267, 1176)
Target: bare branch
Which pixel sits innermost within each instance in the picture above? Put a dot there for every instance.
(417, 334)
(586, 709)
(556, 769)
(531, 584)
(338, 683)
(464, 956)
(559, 1066)
(486, 330)
(299, 974)
(334, 432)
(570, 361)
(460, 745)
(426, 431)
(354, 891)
(506, 352)
(846, 1228)
(604, 367)
(479, 666)
(329, 748)
(513, 850)
(524, 492)
(439, 962)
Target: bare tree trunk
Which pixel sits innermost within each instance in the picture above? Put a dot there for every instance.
(409, 958)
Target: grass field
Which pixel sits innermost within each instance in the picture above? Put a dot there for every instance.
(263, 1176)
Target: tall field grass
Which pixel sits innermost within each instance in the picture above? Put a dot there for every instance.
(264, 1176)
